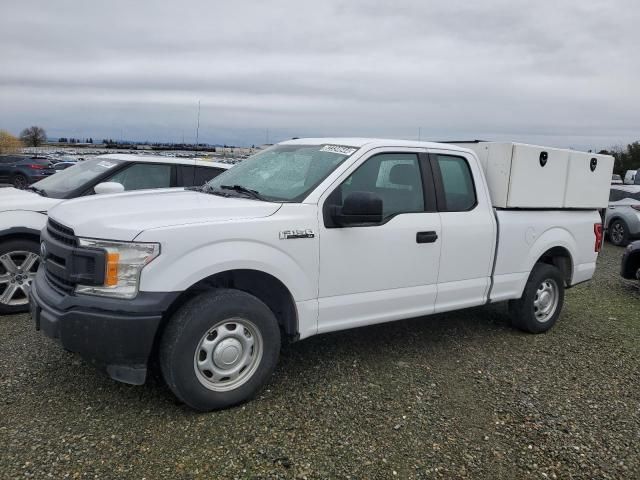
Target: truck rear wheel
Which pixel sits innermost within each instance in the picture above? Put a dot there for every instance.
(541, 303)
(219, 349)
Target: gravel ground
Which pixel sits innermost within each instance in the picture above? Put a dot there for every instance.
(460, 395)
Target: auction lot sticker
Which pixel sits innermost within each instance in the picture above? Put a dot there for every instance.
(105, 164)
(338, 149)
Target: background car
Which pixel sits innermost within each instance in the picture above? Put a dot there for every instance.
(21, 171)
(629, 177)
(623, 215)
(630, 265)
(23, 213)
(616, 179)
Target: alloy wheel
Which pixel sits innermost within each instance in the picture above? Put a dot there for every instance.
(17, 270)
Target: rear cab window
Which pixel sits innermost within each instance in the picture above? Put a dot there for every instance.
(455, 188)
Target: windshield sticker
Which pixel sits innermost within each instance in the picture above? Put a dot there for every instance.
(338, 149)
(105, 164)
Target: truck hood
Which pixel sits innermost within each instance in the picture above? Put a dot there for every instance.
(14, 199)
(124, 216)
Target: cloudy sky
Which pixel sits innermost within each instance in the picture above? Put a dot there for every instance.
(561, 73)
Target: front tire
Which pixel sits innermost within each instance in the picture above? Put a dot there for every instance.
(541, 303)
(19, 260)
(619, 233)
(219, 349)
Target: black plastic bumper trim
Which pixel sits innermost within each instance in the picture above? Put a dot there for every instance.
(115, 334)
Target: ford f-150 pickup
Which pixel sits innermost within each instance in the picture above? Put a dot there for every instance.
(312, 236)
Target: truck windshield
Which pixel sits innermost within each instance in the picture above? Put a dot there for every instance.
(72, 178)
(282, 173)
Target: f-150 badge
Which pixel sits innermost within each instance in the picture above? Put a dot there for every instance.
(291, 234)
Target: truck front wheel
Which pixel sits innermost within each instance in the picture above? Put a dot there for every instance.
(541, 303)
(219, 349)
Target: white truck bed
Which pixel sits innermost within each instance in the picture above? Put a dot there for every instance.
(524, 236)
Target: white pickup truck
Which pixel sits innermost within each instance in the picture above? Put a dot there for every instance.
(312, 236)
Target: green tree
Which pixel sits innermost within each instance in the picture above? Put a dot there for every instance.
(33, 136)
(625, 158)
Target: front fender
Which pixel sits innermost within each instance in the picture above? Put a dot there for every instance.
(179, 273)
(21, 222)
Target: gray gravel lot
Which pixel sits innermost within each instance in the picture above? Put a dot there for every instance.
(460, 395)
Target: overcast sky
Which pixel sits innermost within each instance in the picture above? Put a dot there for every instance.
(559, 73)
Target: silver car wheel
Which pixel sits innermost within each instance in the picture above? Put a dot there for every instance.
(228, 354)
(17, 270)
(545, 302)
(617, 232)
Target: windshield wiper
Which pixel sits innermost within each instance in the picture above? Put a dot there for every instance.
(239, 188)
(39, 191)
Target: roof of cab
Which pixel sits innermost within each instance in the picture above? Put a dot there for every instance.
(160, 159)
(371, 143)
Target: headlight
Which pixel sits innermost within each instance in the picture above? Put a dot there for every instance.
(123, 263)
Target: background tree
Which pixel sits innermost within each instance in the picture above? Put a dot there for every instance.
(33, 136)
(9, 143)
(625, 158)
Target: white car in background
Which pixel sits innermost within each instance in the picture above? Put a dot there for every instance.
(630, 177)
(23, 213)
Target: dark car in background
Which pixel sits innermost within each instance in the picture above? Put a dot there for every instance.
(23, 171)
(630, 267)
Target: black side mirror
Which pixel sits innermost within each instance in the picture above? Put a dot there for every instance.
(359, 208)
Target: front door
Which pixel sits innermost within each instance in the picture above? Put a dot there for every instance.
(387, 271)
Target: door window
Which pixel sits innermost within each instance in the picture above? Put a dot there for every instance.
(394, 177)
(457, 183)
(144, 175)
(198, 177)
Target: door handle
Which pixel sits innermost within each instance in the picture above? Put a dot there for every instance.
(426, 237)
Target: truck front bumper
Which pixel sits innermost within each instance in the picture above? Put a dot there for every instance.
(117, 335)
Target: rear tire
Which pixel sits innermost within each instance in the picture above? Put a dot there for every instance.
(541, 303)
(219, 349)
(18, 267)
(19, 181)
(619, 233)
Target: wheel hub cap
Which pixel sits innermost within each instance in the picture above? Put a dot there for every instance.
(546, 300)
(228, 354)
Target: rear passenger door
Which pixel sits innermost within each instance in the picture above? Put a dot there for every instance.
(468, 231)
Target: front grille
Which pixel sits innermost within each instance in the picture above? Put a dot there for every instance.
(61, 233)
(67, 264)
(59, 284)
(60, 242)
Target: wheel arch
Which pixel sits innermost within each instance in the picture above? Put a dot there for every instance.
(557, 247)
(264, 286)
(560, 257)
(614, 217)
(14, 233)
